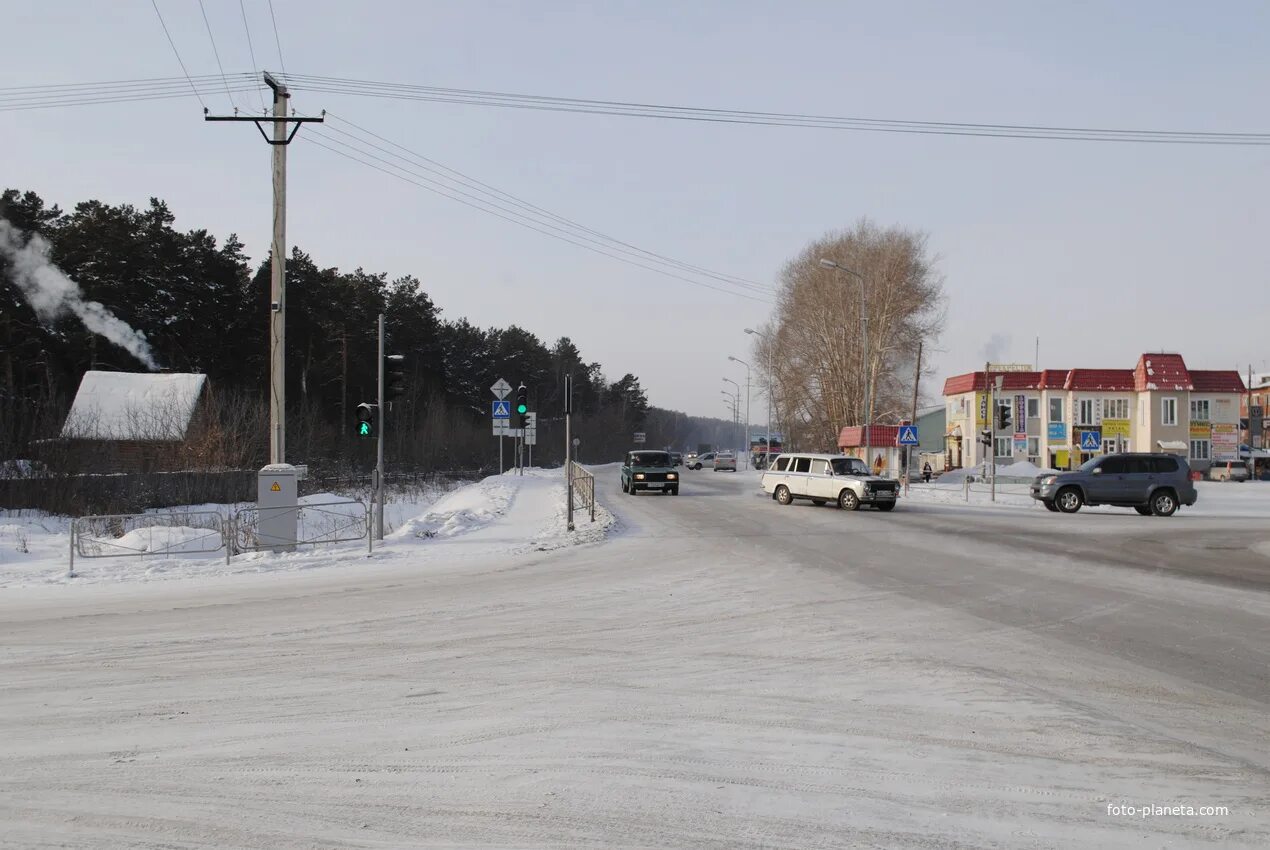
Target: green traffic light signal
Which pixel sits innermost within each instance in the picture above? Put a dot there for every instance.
(522, 409)
(364, 429)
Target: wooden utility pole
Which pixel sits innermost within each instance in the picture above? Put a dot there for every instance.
(908, 450)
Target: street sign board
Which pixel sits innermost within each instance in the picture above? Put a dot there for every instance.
(639, 438)
(501, 388)
(502, 410)
(907, 436)
(1090, 441)
(1057, 431)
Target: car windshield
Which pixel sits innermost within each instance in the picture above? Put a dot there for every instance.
(849, 466)
(1090, 464)
(650, 459)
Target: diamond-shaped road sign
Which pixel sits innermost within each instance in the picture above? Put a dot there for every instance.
(501, 388)
(907, 436)
(502, 410)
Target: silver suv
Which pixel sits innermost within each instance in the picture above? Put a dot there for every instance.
(1149, 483)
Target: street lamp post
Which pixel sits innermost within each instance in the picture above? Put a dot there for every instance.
(767, 456)
(737, 408)
(746, 439)
(864, 345)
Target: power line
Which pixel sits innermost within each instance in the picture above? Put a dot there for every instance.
(216, 53)
(421, 182)
(251, 50)
(537, 211)
(11, 101)
(177, 53)
(277, 40)
(403, 91)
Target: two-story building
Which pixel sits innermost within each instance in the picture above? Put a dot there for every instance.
(1062, 417)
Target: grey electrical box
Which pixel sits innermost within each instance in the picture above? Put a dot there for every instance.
(276, 501)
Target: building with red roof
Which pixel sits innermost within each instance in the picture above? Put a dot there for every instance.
(1059, 418)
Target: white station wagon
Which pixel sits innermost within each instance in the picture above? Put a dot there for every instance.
(828, 478)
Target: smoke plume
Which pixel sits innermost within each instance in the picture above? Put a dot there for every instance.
(995, 350)
(51, 293)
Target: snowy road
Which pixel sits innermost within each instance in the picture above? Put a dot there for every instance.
(723, 672)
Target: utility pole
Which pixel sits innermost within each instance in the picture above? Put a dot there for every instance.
(917, 377)
(568, 447)
(277, 265)
(379, 450)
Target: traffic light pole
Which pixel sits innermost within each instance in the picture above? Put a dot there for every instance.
(379, 461)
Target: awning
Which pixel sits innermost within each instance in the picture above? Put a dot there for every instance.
(1172, 445)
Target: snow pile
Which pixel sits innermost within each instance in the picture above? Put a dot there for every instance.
(1018, 471)
(465, 509)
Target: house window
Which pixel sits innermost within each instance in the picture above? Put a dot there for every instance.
(1033, 408)
(1115, 408)
(1033, 448)
(1056, 410)
(1168, 411)
(1199, 410)
(1004, 447)
(1199, 449)
(1086, 412)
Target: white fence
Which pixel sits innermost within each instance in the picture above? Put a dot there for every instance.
(180, 533)
(581, 490)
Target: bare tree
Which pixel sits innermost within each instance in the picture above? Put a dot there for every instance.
(815, 339)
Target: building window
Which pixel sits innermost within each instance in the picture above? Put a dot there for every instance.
(1033, 448)
(1199, 449)
(1199, 410)
(1056, 410)
(1115, 408)
(1004, 446)
(1033, 408)
(1086, 412)
(1168, 411)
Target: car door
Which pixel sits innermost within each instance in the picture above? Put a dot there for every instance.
(1106, 481)
(798, 476)
(819, 482)
(775, 477)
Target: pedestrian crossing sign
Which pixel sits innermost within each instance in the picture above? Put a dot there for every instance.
(1090, 441)
(502, 410)
(907, 435)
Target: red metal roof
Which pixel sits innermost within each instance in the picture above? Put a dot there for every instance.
(1053, 378)
(880, 436)
(1161, 372)
(1218, 381)
(1121, 380)
(975, 381)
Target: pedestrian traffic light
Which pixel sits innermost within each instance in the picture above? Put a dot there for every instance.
(366, 419)
(522, 406)
(1003, 417)
(394, 376)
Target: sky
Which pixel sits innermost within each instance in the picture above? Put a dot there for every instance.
(1101, 251)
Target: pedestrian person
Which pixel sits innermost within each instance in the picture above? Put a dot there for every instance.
(926, 472)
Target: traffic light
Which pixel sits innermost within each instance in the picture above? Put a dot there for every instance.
(1003, 417)
(394, 376)
(985, 436)
(366, 419)
(522, 407)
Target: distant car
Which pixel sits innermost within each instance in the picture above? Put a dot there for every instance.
(702, 461)
(725, 460)
(1150, 483)
(649, 470)
(1235, 471)
(825, 478)
(676, 459)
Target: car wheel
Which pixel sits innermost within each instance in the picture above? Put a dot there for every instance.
(1163, 503)
(1069, 500)
(885, 506)
(632, 489)
(624, 485)
(1144, 510)
(818, 502)
(674, 492)
(1049, 505)
(848, 500)
(784, 496)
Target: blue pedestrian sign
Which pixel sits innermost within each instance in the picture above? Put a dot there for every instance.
(502, 410)
(1090, 441)
(907, 436)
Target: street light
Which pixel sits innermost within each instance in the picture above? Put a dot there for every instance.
(735, 410)
(746, 438)
(864, 344)
(770, 378)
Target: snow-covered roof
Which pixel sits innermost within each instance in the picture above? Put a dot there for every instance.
(133, 406)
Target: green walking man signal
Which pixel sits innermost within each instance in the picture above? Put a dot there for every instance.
(366, 419)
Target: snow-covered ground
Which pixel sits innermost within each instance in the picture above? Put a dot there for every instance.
(505, 514)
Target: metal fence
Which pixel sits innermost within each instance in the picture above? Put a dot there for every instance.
(334, 521)
(581, 490)
(158, 533)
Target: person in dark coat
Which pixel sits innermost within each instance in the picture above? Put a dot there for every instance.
(926, 472)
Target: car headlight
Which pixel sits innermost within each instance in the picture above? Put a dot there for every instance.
(1049, 479)
(639, 476)
(670, 476)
